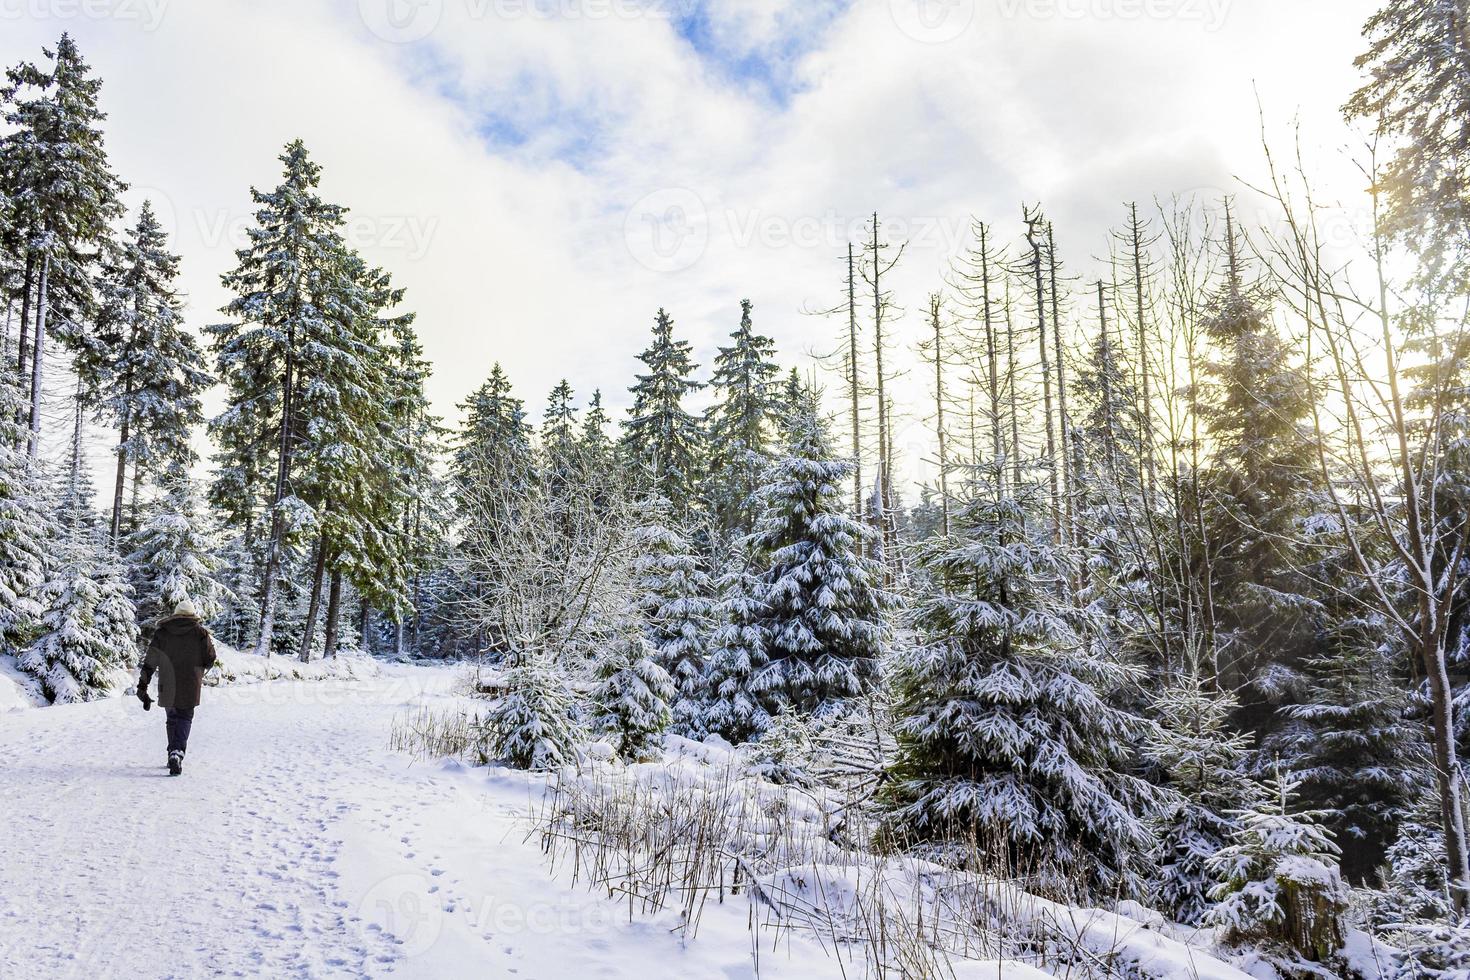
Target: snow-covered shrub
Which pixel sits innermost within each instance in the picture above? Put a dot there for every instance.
(1204, 762)
(530, 725)
(1281, 884)
(1414, 883)
(784, 752)
(632, 697)
(87, 630)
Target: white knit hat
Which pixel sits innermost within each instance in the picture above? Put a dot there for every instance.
(185, 607)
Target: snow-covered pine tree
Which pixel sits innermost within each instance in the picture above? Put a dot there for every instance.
(1205, 763)
(633, 696)
(239, 607)
(420, 504)
(1008, 744)
(530, 724)
(289, 286)
(1122, 539)
(821, 599)
(55, 170)
(87, 629)
(1280, 885)
(141, 369)
(1358, 755)
(171, 556)
(595, 444)
(27, 529)
(1258, 486)
(676, 600)
(1413, 885)
(737, 711)
(559, 426)
(740, 423)
(348, 444)
(492, 450)
(662, 441)
(1418, 88)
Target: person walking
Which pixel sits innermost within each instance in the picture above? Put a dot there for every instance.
(180, 651)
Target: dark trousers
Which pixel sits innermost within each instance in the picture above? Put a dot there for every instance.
(178, 722)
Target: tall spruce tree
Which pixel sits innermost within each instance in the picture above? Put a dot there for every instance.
(821, 598)
(662, 441)
(288, 286)
(63, 195)
(140, 367)
(740, 424)
(1259, 483)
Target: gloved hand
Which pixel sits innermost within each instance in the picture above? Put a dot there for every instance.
(147, 701)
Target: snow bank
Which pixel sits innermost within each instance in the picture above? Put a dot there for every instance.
(239, 667)
(20, 690)
(807, 877)
(17, 688)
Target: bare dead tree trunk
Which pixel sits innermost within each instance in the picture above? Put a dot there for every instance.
(1015, 453)
(937, 326)
(1033, 224)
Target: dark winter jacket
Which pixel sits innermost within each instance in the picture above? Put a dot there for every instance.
(181, 650)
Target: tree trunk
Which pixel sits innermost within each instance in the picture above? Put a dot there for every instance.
(23, 338)
(1145, 406)
(1033, 220)
(120, 482)
(319, 568)
(1069, 530)
(334, 608)
(934, 322)
(1446, 764)
(38, 359)
(277, 530)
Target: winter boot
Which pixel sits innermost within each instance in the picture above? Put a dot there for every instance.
(175, 763)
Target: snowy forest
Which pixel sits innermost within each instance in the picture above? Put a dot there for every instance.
(1175, 616)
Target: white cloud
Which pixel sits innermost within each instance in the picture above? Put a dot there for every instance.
(517, 251)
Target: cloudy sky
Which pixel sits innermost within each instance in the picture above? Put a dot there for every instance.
(542, 175)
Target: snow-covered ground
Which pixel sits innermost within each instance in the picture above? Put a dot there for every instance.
(297, 844)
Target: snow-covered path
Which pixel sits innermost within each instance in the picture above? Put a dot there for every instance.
(297, 845)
